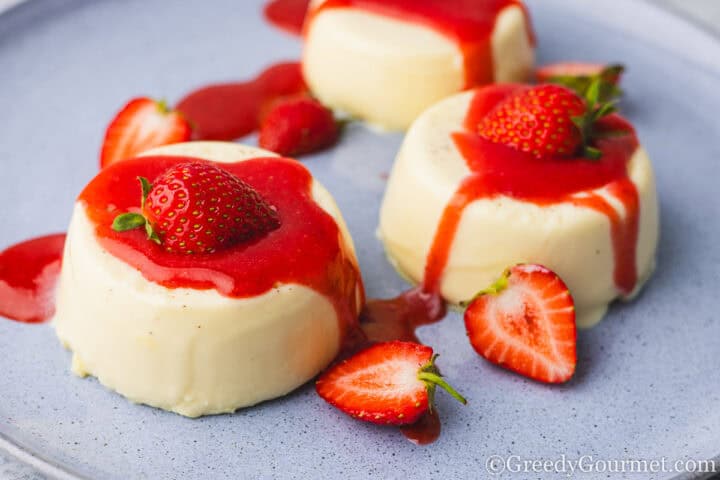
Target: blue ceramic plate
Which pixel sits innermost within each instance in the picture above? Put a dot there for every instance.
(648, 382)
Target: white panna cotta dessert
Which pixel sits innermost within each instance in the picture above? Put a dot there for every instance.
(207, 333)
(385, 61)
(460, 208)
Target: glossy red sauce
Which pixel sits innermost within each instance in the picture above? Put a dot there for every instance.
(28, 275)
(306, 249)
(288, 15)
(232, 110)
(468, 23)
(424, 431)
(500, 170)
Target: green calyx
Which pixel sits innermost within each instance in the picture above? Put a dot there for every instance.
(131, 221)
(430, 375)
(596, 109)
(601, 93)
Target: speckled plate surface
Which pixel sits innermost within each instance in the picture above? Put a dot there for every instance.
(648, 382)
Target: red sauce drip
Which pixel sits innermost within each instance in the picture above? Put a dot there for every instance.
(500, 170)
(28, 275)
(233, 110)
(468, 23)
(397, 318)
(305, 249)
(288, 15)
(424, 431)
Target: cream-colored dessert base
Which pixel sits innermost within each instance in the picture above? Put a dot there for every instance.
(194, 352)
(387, 71)
(496, 233)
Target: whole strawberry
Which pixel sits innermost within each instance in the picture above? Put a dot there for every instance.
(198, 207)
(548, 121)
(298, 126)
(391, 383)
(537, 120)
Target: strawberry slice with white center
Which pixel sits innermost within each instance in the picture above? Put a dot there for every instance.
(142, 124)
(579, 76)
(390, 383)
(525, 322)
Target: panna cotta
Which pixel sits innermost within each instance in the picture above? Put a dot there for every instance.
(385, 61)
(459, 209)
(207, 333)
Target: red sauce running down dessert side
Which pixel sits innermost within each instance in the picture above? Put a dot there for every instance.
(28, 275)
(501, 170)
(232, 110)
(467, 23)
(306, 249)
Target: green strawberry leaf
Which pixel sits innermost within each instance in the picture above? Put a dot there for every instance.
(151, 233)
(128, 221)
(145, 186)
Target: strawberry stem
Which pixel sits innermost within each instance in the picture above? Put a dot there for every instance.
(497, 287)
(432, 378)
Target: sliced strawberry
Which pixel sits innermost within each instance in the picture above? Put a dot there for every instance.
(525, 322)
(198, 207)
(142, 124)
(390, 383)
(578, 69)
(579, 76)
(298, 126)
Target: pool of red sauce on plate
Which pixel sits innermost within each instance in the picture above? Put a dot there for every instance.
(467, 23)
(306, 249)
(229, 111)
(28, 275)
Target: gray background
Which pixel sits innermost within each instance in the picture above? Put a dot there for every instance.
(704, 12)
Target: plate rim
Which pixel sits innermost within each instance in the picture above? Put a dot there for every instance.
(25, 456)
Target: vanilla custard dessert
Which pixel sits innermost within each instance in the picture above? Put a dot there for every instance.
(385, 61)
(209, 331)
(461, 207)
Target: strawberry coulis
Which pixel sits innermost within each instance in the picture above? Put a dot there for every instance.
(500, 170)
(288, 15)
(306, 249)
(467, 23)
(28, 275)
(232, 110)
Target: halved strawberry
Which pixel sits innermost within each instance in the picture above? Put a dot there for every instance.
(391, 383)
(525, 322)
(612, 72)
(579, 76)
(142, 124)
